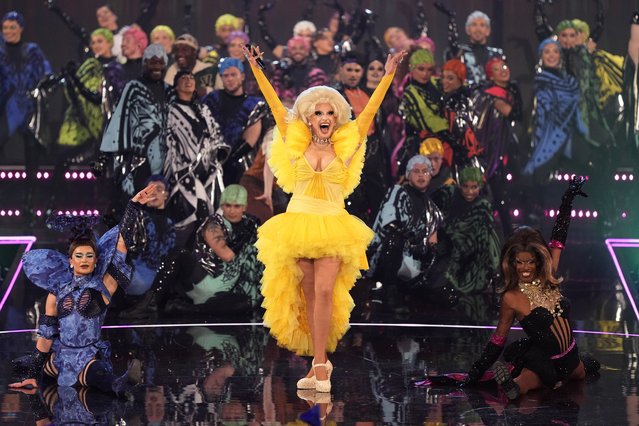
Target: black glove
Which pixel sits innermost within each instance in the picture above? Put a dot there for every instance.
(562, 222)
(488, 357)
(29, 366)
(132, 227)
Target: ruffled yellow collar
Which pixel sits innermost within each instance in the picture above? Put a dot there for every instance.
(345, 139)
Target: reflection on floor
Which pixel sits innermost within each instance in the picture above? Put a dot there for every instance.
(222, 373)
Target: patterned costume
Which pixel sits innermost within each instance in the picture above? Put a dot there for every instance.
(407, 218)
(557, 117)
(137, 131)
(84, 118)
(468, 239)
(234, 114)
(423, 112)
(195, 151)
(22, 66)
(80, 305)
(315, 225)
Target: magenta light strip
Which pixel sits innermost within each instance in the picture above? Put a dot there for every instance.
(403, 325)
(28, 241)
(611, 243)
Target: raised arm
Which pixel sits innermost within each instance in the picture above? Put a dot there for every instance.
(277, 107)
(559, 233)
(366, 117)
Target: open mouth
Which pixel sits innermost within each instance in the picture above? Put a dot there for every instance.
(324, 127)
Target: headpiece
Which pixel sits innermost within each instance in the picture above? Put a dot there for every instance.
(489, 67)
(14, 16)
(164, 28)
(582, 27)
(155, 50)
(421, 56)
(304, 25)
(418, 159)
(108, 35)
(226, 63)
(234, 194)
(471, 174)
(430, 146)
(237, 34)
(545, 43)
(457, 67)
(429, 41)
(188, 40)
(227, 20)
(477, 14)
(140, 37)
(566, 23)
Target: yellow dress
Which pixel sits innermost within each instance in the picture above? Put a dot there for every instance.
(315, 223)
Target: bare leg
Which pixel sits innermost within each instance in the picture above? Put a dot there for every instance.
(308, 288)
(527, 381)
(326, 270)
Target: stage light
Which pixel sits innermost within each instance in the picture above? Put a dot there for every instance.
(81, 175)
(39, 213)
(624, 177)
(67, 212)
(631, 177)
(67, 175)
(10, 175)
(516, 212)
(46, 175)
(10, 212)
(616, 176)
(74, 175)
(624, 215)
(81, 212)
(581, 213)
(95, 212)
(509, 177)
(24, 175)
(39, 175)
(587, 213)
(573, 213)
(89, 175)
(3, 213)
(551, 213)
(566, 176)
(595, 214)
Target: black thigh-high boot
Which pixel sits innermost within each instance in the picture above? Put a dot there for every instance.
(100, 376)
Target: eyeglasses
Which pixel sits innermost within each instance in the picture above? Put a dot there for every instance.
(420, 171)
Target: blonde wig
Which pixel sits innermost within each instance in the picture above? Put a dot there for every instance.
(306, 102)
(526, 239)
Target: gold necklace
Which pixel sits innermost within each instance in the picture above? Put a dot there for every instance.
(545, 296)
(321, 142)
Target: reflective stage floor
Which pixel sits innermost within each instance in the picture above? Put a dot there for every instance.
(212, 371)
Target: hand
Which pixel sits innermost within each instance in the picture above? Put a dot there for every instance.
(254, 54)
(266, 199)
(574, 187)
(150, 193)
(25, 384)
(392, 61)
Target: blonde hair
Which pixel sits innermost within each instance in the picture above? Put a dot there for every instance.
(306, 102)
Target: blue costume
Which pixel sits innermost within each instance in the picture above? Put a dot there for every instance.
(234, 114)
(160, 240)
(556, 118)
(22, 66)
(80, 304)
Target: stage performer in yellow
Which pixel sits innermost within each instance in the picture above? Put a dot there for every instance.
(314, 252)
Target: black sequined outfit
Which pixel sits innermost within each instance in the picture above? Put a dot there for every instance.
(550, 349)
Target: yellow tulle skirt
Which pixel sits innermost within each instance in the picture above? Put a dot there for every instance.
(289, 236)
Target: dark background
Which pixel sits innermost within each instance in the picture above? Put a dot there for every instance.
(512, 23)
